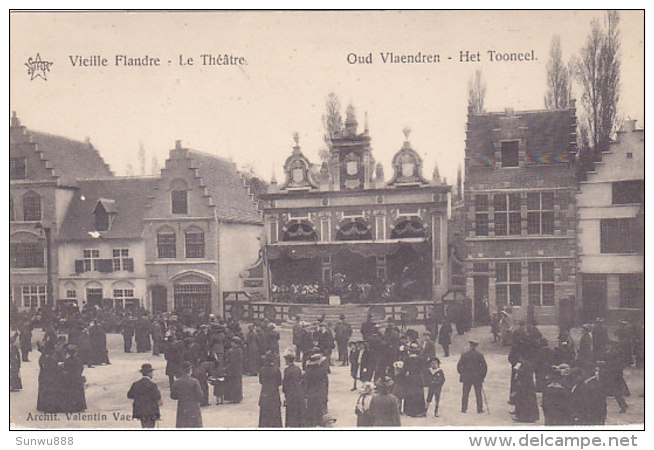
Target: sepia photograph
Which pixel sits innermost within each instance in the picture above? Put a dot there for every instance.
(362, 220)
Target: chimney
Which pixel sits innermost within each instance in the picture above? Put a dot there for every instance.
(178, 144)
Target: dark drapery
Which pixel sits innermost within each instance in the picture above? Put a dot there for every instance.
(366, 250)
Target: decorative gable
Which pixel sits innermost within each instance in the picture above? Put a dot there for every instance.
(407, 165)
(299, 176)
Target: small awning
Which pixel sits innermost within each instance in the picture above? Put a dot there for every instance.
(367, 249)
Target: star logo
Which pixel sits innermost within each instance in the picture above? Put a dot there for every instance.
(37, 67)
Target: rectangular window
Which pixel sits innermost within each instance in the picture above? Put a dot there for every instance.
(71, 294)
(621, 235)
(540, 213)
(34, 296)
(481, 215)
(632, 290)
(31, 208)
(194, 244)
(273, 237)
(507, 214)
(324, 230)
(166, 245)
(123, 293)
(627, 192)
(298, 215)
(380, 230)
(508, 277)
(91, 257)
(541, 283)
(510, 154)
(26, 256)
(179, 202)
(17, 168)
(120, 256)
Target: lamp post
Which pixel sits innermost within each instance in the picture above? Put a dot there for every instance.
(49, 302)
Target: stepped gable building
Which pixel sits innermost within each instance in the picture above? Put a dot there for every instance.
(201, 230)
(176, 241)
(520, 210)
(42, 183)
(611, 240)
(343, 231)
(100, 245)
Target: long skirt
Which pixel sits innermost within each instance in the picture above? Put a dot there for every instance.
(526, 406)
(270, 417)
(234, 389)
(315, 410)
(15, 383)
(295, 413)
(414, 403)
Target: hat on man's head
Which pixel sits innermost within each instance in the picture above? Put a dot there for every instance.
(473, 343)
(146, 368)
(342, 317)
(186, 365)
(587, 327)
(289, 353)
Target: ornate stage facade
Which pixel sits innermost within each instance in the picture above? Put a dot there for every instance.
(339, 233)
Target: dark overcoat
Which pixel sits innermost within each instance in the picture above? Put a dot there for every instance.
(270, 415)
(296, 404)
(188, 394)
(146, 398)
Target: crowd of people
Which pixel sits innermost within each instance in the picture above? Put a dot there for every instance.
(350, 291)
(397, 369)
(575, 381)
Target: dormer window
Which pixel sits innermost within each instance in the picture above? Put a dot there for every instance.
(510, 154)
(104, 212)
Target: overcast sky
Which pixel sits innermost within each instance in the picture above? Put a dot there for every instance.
(294, 60)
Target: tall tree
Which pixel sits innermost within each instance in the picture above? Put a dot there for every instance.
(332, 122)
(598, 73)
(559, 82)
(154, 165)
(141, 159)
(476, 92)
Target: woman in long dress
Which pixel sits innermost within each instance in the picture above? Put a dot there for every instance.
(270, 378)
(234, 372)
(414, 396)
(526, 405)
(316, 387)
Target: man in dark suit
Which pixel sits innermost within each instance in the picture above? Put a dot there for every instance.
(147, 398)
(472, 368)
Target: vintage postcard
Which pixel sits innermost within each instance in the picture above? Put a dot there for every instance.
(328, 219)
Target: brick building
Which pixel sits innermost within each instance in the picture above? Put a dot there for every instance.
(520, 211)
(611, 246)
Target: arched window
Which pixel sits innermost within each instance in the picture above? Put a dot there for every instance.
(194, 241)
(179, 197)
(354, 229)
(31, 206)
(299, 230)
(166, 243)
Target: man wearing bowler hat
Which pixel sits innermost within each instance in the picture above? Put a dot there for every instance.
(147, 398)
(472, 368)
